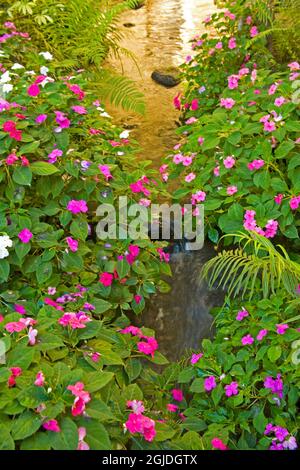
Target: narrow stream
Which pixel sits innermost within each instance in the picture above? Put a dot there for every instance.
(159, 35)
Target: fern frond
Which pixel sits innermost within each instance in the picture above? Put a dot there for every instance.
(259, 261)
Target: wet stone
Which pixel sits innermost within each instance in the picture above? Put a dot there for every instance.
(166, 80)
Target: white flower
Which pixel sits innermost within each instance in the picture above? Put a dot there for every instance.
(105, 114)
(124, 134)
(30, 72)
(3, 252)
(44, 70)
(5, 77)
(46, 55)
(120, 153)
(7, 87)
(47, 80)
(17, 66)
(5, 241)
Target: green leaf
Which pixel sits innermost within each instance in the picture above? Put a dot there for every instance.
(20, 356)
(49, 341)
(6, 441)
(79, 229)
(274, 353)
(43, 272)
(4, 270)
(213, 235)
(101, 306)
(25, 425)
(29, 148)
(284, 148)
(67, 439)
(22, 175)
(97, 380)
(97, 436)
(43, 168)
(40, 441)
(217, 394)
(123, 268)
(260, 422)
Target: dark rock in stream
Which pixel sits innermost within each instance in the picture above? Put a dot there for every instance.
(180, 318)
(168, 81)
(128, 25)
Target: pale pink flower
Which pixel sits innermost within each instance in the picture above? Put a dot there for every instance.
(72, 243)
(40, 379)
(82, 445)
(273, 89)
(261, 334)
(190, 177)
(232, 43)
(79, 109)
(231, 190)
(229, 162)
(269, 126)
(253, 31)
(32, 334)
(279, 101)
(136, 406)
(294, 66)
(227, 103)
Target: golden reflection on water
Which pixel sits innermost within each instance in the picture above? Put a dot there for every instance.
(159, 38)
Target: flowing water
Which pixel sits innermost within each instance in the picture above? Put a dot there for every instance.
(159, 35)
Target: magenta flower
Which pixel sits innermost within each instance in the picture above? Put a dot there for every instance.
(242, 314)
(177, 394)
(77, 206)
(279, 101)
(247, 340)
(278, 198)
(275, 385)
(74, 320)
(227, 103)
(82, 445)
(51, 425)
(138, 423)
(294, 66)
(40, 379)
(255, 164)
(253, 31)
(33, 90)
(281, 329)
(200, 140)
(199, 196)
(20, 309)
(106, 279)
(62, 120)
(209, 383)
(52, 157)
(95, 356)
(229, 162)
(32, 334)
(41, 118)
(72, 243)
(105, 170)
(231, 190)
(218, 444)
(194, 105)
(195, 358)
(261, 334)
(271, 229)
(190, 177)
(172, 408)
(295, 202)
(136, 406)
(149, 346)
(231, 389)
(232, 43)
(269, 126)
(79, 109)
(233, 81)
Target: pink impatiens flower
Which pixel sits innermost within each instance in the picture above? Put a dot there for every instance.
(74, 320)
(278, 198)
(218, 444)
(72, 243)
(275, 385)
(172, 408)
(242, 314)
(229, 162)
(62, 120)
(231, 389)
(231, 190)
(247, 340)
(105, 170)
(149, 346)
(195, 358)
(279, 101)
(20, 309)
(227, 103)
(255, 164)
(136, 406)
(209, 383)
(79, 109)
(269, 126)
(82, 398)
(294, 66)
(41, 118)
(232, 43)
(77, 206)
(33, 90)
(25, 235)
(190, 177)
(40, 379)
(261, 334)
(138, 423)
(253, 31)
(106, 279)
(82, 445)
(177, 394)
(51, 425)
(32, 334)
(281, 329)
(15, 372)
(295, 202)
(233, 81)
